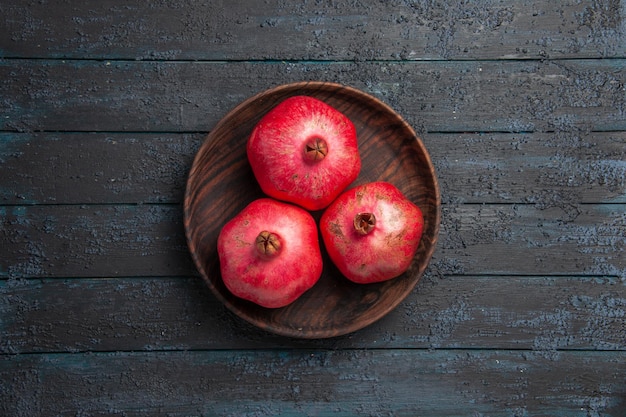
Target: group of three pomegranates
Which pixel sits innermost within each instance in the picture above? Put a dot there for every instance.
(304, 155)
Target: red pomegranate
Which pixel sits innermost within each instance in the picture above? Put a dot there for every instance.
(305, 152)
(269, 253)
(372, 232)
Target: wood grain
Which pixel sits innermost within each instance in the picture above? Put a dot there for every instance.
(89, 240)
(542, 314)
(95, 168)
(442, 96)
(560, 168)
(396, 30)
(451, 383)
(553, 239)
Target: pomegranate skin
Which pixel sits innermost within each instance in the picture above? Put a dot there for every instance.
(305, 152)
(276, 277)
(366, 253)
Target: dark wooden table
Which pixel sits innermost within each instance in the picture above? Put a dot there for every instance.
(522, 106)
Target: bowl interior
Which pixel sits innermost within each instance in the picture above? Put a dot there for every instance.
(221, 183)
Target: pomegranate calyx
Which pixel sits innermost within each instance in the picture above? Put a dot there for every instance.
(268, 244)
(315, 149)
(364, 223)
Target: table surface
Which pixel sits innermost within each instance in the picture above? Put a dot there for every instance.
(521, 311)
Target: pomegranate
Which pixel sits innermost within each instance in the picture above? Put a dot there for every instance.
(269, 253)
(305, 152)
(372, 232)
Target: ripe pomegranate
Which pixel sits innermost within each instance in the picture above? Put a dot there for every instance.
(372, 232)
(269, 253)
(305, 152)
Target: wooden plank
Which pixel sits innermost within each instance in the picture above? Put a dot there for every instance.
(542, 314)
(551, 237)
(106, 168)
(148, 240)
(315, 382)
(442, 96)
(407, 30)
(93, 241)
(90, 168)
(553, 168)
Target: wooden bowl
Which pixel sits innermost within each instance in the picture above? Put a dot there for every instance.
(221, 183)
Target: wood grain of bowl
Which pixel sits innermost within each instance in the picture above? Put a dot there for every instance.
(221, 183)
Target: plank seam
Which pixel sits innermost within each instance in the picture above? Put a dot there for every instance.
(308, 61)
(316, 349)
